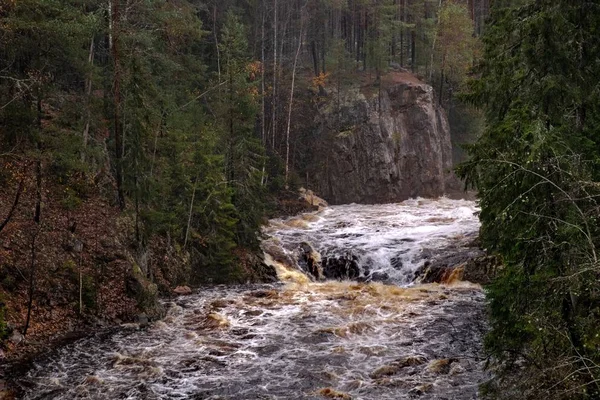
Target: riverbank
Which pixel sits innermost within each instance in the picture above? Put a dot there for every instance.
(303, 337)
(90, 274)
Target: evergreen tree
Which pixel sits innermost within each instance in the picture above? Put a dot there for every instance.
(536, 168)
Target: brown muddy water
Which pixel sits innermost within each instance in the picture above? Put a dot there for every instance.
(303, 338)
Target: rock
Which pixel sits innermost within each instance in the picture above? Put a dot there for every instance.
(421, 389)
(386, 370)
(410, 361)
(16, 337)
(330, 393)
(341, 267)
(142, 319)
(310, 260)
(379, 276)
(182, 290)
(470, 266)
(274, 248)
(382, 146)
(312, 199)
(441, 366)
(483, 269)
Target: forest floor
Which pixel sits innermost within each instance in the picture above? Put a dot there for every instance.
(83, 258)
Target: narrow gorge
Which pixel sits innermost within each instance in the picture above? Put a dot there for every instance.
(369, 302)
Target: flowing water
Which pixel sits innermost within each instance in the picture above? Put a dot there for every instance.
(302, 338)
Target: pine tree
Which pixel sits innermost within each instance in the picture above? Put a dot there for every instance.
(536, 168)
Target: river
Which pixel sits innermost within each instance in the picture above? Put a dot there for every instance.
(380, 336)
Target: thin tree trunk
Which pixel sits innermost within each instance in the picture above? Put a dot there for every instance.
(88, 94)
(117, 103)
(189, 221)
(441, 85)
(262, 51)
(433, 44)
(413, 50)
(402, 17)
(289, 121)
(14, 206)
(36, 219)
(216, 41)
(274, 102)
(80, 285)
(315, 58)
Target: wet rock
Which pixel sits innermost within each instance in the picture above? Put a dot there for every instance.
(410, 361)
(386, 370)
(240, 331)
(483, 269)
(182, 290)
(262, 294)
(274, 248)
(330, 393)
(441, 366)
(396, 262)
(311, 198)
(92, 380)
(341, 267)
(440, 267)
(421, 389)
(221, 303)
(310, 260)
(142, 319)
(456, 369)
(379, 276)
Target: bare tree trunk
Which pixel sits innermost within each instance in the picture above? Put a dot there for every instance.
(110, 25)
(402, 17)
(433, 44)
(216, 41)
(189, 222)
(36, 220)
(413, 51)
(289, 121)
(80, 284)
(88, 94)
(262, 84)
(117, 102)
(14, 206)
(441, 85)
(274, 101)
(263, 97)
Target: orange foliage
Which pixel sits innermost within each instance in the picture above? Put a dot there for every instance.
(320, 80)
(254, 68)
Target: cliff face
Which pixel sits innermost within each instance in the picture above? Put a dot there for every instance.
(378, 146)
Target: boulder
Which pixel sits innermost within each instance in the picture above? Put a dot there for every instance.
(310, 260)
(341, 267)
(16, 337)
(182, 290)
(312, 199)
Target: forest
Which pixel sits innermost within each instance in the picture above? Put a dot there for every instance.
(145, 144)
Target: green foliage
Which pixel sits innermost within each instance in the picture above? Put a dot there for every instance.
(191, 163)
(70, 200)
(536, 168)
(455, 46)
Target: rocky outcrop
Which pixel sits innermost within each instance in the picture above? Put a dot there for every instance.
(382, 143)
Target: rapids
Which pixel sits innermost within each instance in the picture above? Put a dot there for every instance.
(303, 339)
